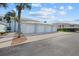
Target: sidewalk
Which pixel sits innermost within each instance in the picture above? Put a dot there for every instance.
(10, 41)
(43, 36)
(6, 40)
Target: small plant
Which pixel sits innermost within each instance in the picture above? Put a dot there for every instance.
(2, 33)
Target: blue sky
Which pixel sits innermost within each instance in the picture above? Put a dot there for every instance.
(50, 12)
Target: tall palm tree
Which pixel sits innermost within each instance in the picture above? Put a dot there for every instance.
(20, 7)
(8, 19)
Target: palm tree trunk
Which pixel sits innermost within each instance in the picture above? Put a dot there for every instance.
(19, 25)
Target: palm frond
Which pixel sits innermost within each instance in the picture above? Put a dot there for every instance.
(26, 6)
(5, 5)
(23, 6)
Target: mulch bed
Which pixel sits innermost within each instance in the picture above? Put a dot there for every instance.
(17, 41)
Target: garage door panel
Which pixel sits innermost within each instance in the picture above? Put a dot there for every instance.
(28, 28)
(48, 29)
(40, 29)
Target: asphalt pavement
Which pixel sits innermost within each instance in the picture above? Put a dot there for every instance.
(66, 45)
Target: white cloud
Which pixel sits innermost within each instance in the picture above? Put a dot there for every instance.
(66, 8)
(47, 17)
(62, 13)
(36, 5)
(47, 11)
(34, 14)
(70, 7)
(44, 13)
(61, 7)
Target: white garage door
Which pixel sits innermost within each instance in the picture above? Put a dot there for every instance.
(40, 28)
(48, 29)
(27, 28)
(54, 29)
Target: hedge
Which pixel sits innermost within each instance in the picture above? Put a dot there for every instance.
(67, 30)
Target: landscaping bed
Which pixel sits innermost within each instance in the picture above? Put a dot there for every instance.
(67, 30)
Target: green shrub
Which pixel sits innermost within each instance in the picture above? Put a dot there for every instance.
(67, 30)
(2, 33)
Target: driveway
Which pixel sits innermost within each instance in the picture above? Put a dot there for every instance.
(66, 45)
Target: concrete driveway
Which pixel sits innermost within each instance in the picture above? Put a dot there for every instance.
(66, 45)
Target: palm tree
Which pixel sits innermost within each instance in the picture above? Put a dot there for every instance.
(11, 16)
(8, 19)
(20, 7)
